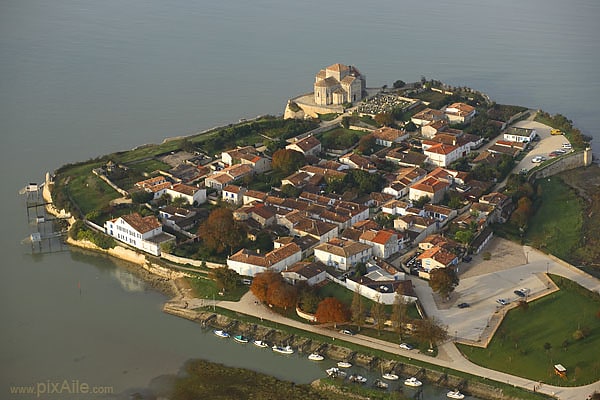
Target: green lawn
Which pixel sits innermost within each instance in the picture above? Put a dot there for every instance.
(90, 192)
(519, 346)
(206, 288)
(556, 225)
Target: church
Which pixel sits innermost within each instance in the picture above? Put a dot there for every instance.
(339, 84)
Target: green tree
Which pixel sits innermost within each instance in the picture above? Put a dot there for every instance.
(366, 144)
(287, 160)
(465, 237)
(443, 281)
(225, 278)
(357, 308)
(141, 196)
(398, 84)
(290, 191)
(365, 181)
(384, 119)
(421, 201)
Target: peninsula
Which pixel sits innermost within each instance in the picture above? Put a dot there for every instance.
(399, 228)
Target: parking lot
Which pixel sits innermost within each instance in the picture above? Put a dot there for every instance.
(546, 145)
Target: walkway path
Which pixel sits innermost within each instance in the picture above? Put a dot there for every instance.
(449, 356)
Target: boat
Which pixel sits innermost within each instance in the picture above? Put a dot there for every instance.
(380, 384)
(260, 343)
(315, 357)
(335, 372)
(221, 333)
(357, 378)
(240, 339)
(390, 376)
(282, 349)
(344, 364)
(412, 381)
(455, 394)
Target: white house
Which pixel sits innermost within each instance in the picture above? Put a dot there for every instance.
(384, 242)
(309, 145)
(442, 154)
(191, 194)
(429, 186)
(249, 263)
(388, 136)
(516, 134)
(233, 194)
(460, 113)
(144, 233)
(342, 253)
(312, 273)
(382, 291)
(247, 155)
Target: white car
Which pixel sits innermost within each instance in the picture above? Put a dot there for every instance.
(502, 302)
(347, 332)
(406, 346)
(538, 159)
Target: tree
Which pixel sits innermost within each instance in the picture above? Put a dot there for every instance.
(141, 196)
(366, 144)
(398, 84)
(399, 315)
(523, 305)
(346, 122)
(464, 237)
(220, 232)
(443, 281)
(384, 119)
(429, 331)
(264, 241)
(282, 294)
(547, 347)
(378, 314)
(308, 298)
(290, 191)
(364, 181)
(226, 279)
(331, 309)
(261, 282)
(357, 308)
(421, 201)
(287, 160)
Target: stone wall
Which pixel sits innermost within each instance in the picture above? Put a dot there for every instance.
(577, 159)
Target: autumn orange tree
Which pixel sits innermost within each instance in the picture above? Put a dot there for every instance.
(269, 287)
(220, 232)
(331, 309)
(287, 160)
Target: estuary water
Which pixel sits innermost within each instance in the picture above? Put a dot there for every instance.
(81, 78)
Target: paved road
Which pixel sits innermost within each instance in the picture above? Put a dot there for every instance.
(498, 283)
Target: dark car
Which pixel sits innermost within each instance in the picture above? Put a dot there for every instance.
(467, 258)
(464, 305)
(519, 293)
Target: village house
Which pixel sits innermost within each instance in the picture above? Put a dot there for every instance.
(342, 253)
(516, 134)
(192, 195)
(502, 203)
(428, 115)
(396, 207)
(437, 257)
(442, 155)
(356, 161)
(338, 84)
(157, 185)
(306, 243)
(247, 155)
(406, 158)
(177, 218)
(249, 263)
(312, 273)
(233, 194)
(144, 233)
(232, 174)
(429, 186)
(438, 212)
(460, 113)
(309, 146)
(433, 128)
(382, 291)
(254, 195)
(384, 242)
(387, 136)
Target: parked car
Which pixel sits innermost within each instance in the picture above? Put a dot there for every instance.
(566, 146)
(502, 302)
(464, 305)
(538, 159)
(519, 293)
(467, 258)
(347, 332)
(406, 346)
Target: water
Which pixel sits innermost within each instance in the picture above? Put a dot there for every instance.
(84, 78)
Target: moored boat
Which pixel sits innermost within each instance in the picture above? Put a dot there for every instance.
(390, 376)
(240, 339)
(335, 372)
(221, 333)
(357, 378)
(282, 349)
(260, 343)
(380, 384)
(315, 357)
(455, 394)
(412, 381)
(344, 364)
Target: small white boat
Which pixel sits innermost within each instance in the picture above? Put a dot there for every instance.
(315, 357)
(240, 339)
(390, 377)
(357, 378)
(455, 394)
(221, 333)
(344, 364)
(380, 384)
(260, 343)
(282, 349)
(412, 381)
(335, 372)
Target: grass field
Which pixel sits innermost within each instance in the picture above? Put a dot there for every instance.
(529, 342)
(556, 225)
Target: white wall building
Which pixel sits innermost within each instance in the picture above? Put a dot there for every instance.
(144, 233)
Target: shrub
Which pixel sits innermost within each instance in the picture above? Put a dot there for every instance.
(487, 255)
